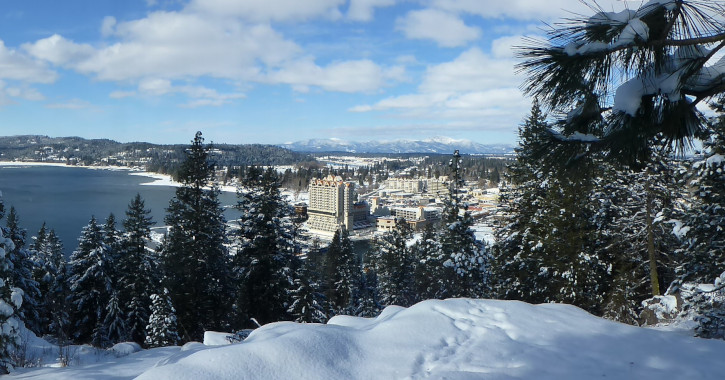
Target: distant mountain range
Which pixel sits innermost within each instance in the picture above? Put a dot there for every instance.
(442, 145)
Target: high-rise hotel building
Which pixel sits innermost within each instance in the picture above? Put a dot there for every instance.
(331, 205)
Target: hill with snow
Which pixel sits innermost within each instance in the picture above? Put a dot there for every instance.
(441, 145)
(451, 339)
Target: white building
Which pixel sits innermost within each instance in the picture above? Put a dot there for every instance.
(405, 184)
(331, 205)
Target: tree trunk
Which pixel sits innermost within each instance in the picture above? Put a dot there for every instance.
(654, 278)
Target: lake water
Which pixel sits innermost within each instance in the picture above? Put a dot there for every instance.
(66, 197)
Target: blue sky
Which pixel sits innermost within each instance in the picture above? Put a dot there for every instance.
(268, 71)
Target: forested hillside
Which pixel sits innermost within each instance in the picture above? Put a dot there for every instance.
(155, 158)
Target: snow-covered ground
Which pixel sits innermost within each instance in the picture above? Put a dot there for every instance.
(451, 339)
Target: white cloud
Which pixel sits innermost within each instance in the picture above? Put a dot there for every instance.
(474, 89)
(362, 10)
(108, 25)
(17, 66)
(27, 93)
(9, 94)
(202, 96)
(471, 71)
(525, 9)
(58, 50)
(73, 104)
(345, 76)
(504, 47)
(170, 46)
(121, 94)
(155, 86)
(444, 28)
(269, 10)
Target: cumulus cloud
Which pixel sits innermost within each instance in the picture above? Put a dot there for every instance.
(107, 26)
(504, 47)
(362, 10)
(269, 10)
(345, 76)
(472, 89)
(446, 29)
(166, 46)
(524, 9)
(17, 66)
(59, 51)
(472, 70)
(8, 94)
(200, 95)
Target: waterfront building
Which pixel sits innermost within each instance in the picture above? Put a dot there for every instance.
(331, 205)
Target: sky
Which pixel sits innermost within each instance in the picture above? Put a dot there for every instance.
(269, 71)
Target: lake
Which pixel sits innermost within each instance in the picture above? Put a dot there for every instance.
(66, 197)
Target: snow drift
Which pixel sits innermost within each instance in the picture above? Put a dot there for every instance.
(454, 339)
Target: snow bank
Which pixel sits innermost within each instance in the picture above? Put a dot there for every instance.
(455, 339)
(214, 338)
(125, 348)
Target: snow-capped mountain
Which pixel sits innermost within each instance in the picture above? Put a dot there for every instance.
(442, 145)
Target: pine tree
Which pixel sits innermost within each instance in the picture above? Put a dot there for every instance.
(307, 302)
(393, 261)
(194, 254)
(139, 268)
(162, 329)
(56, 296)
(701, 257)
(265, 260)
(91, 281)
(368, 304)
(432, 278)
(343, 270)
(466, 256)
(50, 273)
(22, 273)
(517, 261)
(114, 322)
(634, 233)
(11, 299)
(640, 72)
(544, 249)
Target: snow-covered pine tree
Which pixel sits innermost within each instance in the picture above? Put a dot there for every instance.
(22, 273)
(10, 299)
(467, 257)
(640, 72)
(635, 207)
(90, 282)
(265, 260)
(195, 258)
(342, 272)
(308, 303)
(114, 322)
(368, 305)
(544, 251)
(701, 258)
(394, 266)
(432, 278)
(139, 269)
(517, 264)
(162, 330)
(44, 274)
(56, 296)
